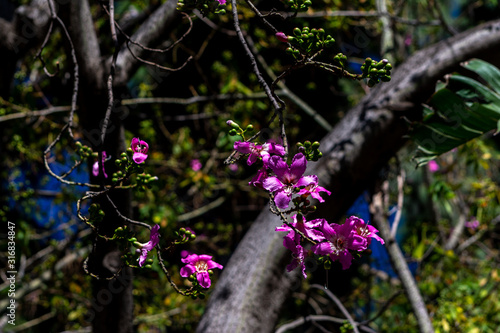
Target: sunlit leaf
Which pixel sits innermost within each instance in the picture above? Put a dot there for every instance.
(463, 110)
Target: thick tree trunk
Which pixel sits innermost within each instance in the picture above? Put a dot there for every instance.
(254, 284)
(17, 37)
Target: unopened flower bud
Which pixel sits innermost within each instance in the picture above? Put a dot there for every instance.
(233, 124)
(282, 37)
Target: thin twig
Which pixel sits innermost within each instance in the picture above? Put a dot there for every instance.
(339, 305)
(315, 318)
(142, 224)
(378, 209)
(399, 207)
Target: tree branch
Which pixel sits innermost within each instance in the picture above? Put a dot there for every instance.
(398, 261)
(148, 33)
(86, 44)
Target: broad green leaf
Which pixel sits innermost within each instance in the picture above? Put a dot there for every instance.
(486, 95)
(485, 70)
(460, 111)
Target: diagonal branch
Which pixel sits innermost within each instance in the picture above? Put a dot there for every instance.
(148, 33)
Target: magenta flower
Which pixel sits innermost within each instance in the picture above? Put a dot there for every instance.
(199, 264)
(433, 166)
(298, 255)
(263, 151)
(195, 165)
(339, 239)
(306, 227)
(314, 189)
(287, 178)
(472, 224)
(154, 239)
(364, 230)
(140, 149)
(259, 178)
(222, 2)
(282, 37)
(95, 166)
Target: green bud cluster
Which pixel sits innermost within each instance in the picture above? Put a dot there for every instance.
(197, 289)
(145, 180)
(237, 130)
(310, 150)
(340, 59)
(300, 5)
(376, 71)
(307, 41)
(184, 236)
(204, 6)
(83, 150)
(128, 167)
(124, 237)
(326, 261)
(95, 213)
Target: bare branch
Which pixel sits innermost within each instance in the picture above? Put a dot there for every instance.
(378, 211)
(148, 33)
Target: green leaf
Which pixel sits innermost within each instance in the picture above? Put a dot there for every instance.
(460, 111)
(485, 70)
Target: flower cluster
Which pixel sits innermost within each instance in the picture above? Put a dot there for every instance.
(287, 183)
(337, 241)
(277, 176)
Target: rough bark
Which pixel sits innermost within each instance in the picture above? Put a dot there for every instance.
(17, 37)
(254, 284)
(112, 302)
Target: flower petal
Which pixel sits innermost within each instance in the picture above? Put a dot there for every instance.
(282, 200)
(139, 157)
(204, 279)
(212, 264)
(243, 147)
(299, 165)
(272, 184)
(95, 169)
(187, 270)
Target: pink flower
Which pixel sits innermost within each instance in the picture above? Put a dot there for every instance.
(222, 2)
(298, 255)
(258, 151)
(199, 264)
(140, 149)
(364, 230)
(472, 224)
(259, 178)
(306, 227)
(433, 166)
(282, 37)
(339, 239)
(408, 40)
(154, 239)
(233, 167)
(195, 165)
(314, 189)
(95, 166)
(287, 178)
